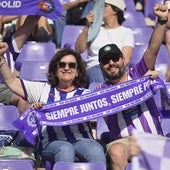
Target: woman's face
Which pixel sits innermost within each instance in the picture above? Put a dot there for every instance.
(108, 11)
(67, 69)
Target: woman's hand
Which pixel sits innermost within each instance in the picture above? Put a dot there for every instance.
(37, 105)
(89, 18)
(3, 48)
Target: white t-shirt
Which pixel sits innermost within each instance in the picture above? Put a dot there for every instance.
(121, 36)
(41, 91)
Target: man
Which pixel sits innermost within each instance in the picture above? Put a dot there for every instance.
(111, 31)
(167, 39)
(17, 41)
(143, 117)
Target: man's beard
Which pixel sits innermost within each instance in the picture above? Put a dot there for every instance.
(114, 76)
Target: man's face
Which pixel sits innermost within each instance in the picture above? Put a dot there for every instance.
(113, 67)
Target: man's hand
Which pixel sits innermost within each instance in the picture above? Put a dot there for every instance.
(152, 73)
(37, 105)
(161, 11)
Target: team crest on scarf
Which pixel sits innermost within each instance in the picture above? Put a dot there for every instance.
(46, 6)
(32, 119)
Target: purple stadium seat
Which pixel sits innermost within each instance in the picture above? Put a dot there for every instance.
(142, 34)
(16, 164)
(70, 34)
(72, 31)
(161, 68)
(8, 114)
(133, 18)
(34, 70)
(163, 56)
(78, 166)
(137, 54)
(35, 51)
(148, 8)
(130, 5)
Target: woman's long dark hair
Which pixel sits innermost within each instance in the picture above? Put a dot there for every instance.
(80, 80)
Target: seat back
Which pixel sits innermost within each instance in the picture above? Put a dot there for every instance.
(137, 54)
(34, 70)
(78, 166)
(148, 8)
(70, 34)
(130, 5)
(16, 164)
(134, 19)
(163, 56)
(161, 68)
(8, 114)
(35, 51)
(142, 34)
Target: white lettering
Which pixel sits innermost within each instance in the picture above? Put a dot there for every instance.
(126, 94)
(10, 4)
(93, 105)
(62, 113)
(147, 84)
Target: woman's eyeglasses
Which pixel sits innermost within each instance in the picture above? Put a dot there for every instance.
(63, 64)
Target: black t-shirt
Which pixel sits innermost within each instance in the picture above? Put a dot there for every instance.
(74, 15)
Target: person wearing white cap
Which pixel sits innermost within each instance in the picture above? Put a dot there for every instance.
(118, 3)
(111, 31)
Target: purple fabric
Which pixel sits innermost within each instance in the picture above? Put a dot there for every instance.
(154, 153)
(146, 119)
(48, 8)
(88, 107)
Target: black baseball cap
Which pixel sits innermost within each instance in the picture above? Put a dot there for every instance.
(109, 49)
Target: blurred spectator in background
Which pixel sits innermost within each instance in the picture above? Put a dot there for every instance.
(71, 15)
(7, 26)
(111, 31)
(16, 42)
(42, 31)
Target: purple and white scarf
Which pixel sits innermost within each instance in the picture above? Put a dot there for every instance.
(90, 106)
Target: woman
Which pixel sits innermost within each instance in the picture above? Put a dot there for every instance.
(66, 75)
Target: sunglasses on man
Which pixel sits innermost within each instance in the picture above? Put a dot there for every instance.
(105, 60)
